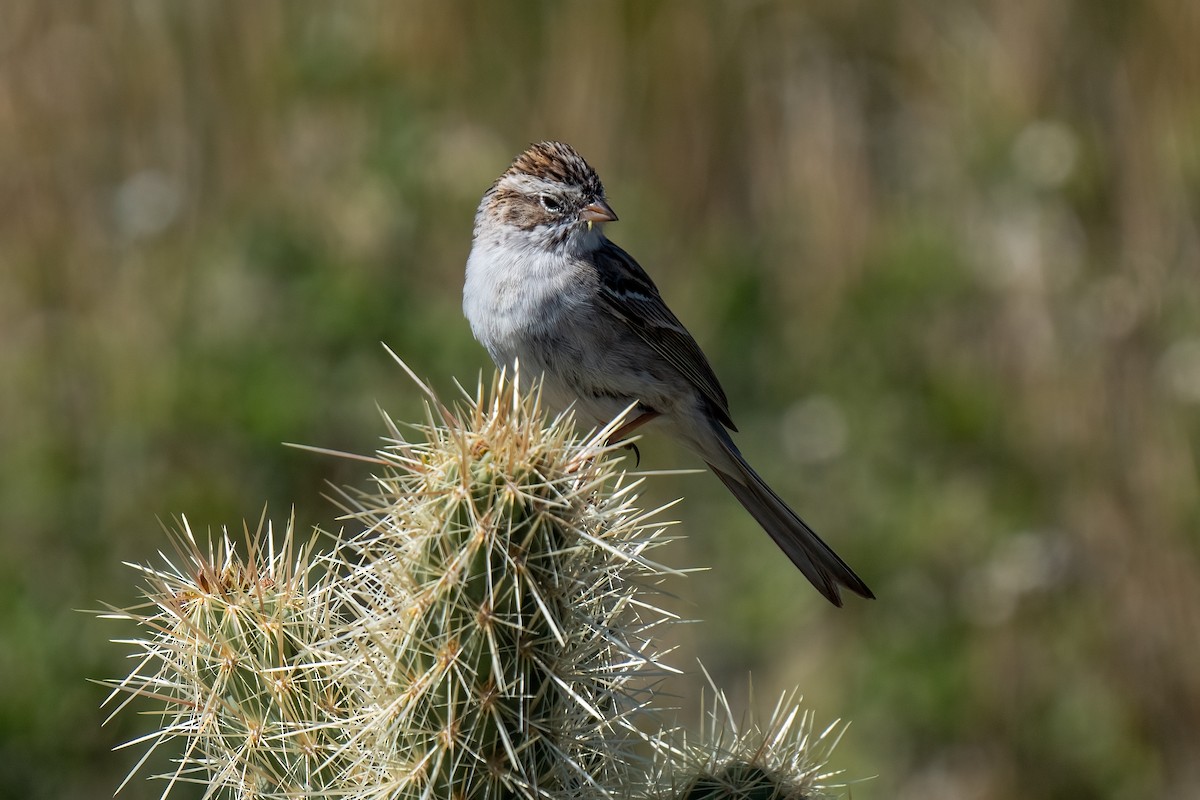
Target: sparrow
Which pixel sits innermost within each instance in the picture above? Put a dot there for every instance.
(545, 288)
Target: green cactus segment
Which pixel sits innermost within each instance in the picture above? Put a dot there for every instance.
(233, 660)
(782, 759)
(500, 618)
(739, 781)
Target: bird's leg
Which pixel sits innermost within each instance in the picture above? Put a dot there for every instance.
(628, 428)
(631, 426)
(616, 436)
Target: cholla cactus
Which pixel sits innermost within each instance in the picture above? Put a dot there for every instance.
(230, 646)
(486, 633)
(500, 601)
(782, 759)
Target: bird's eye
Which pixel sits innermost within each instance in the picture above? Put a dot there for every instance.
(551, 204)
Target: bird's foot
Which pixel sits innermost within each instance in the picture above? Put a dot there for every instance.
(614, 439)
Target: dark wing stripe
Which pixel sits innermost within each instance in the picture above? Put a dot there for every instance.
(634, 298)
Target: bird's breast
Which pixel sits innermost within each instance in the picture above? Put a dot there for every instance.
(515, 297)
(545, 312)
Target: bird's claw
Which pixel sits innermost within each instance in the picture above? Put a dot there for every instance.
(579, 459)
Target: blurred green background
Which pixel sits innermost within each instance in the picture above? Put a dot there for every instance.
(944, 256)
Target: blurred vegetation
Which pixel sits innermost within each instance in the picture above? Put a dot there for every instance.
(945, 257)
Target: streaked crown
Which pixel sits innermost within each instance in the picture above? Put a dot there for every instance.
(557, 162)
(548, 188)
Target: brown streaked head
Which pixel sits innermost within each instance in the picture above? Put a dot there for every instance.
(557, 162)
(551, 186)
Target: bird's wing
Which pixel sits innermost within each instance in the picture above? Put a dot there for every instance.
(632, 296)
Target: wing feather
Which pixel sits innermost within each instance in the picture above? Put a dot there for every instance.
(632, 296)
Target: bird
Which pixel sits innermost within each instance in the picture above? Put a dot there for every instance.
(546, 289)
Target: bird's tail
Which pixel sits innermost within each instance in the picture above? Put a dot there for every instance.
(823, 567)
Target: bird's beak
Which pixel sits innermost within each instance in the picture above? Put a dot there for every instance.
(597, 211)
